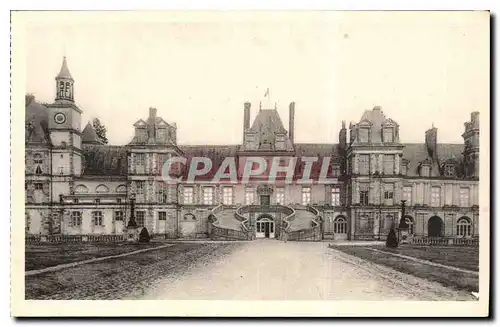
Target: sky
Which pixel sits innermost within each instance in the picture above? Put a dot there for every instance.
(198, 69)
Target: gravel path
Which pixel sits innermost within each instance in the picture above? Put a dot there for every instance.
(273, 270)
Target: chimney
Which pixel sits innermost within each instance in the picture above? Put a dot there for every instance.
(246, 116)
(431, 142)
(291, 122)
(343, 136)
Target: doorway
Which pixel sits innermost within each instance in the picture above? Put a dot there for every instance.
(434, 227)
(265, 227)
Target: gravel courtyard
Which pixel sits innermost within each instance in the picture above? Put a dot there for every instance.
(273, 270)
(257, 270)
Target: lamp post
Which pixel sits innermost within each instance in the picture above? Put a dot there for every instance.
(131, 222)
(402, 221)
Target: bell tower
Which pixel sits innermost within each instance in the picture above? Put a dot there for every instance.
(65, 134)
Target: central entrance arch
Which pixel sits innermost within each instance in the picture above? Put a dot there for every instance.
(435, 227)
(265, 227)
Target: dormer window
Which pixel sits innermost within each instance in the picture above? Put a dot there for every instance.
(449, 170)
(425, 170)
(404, 167)
(388, 135)
(364, 135)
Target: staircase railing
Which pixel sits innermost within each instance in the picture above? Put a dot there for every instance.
(313, 233)
(246, 209)
(217, 231)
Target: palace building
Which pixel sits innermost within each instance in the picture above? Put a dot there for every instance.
(77, 186)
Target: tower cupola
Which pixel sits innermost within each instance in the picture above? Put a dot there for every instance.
(64, 83)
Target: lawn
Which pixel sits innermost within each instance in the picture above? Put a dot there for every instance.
(460, 257)
(125, 277)
(38, 256)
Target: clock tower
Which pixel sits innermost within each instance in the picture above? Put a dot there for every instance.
(65, 135)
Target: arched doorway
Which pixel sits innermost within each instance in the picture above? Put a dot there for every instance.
(265, 227)
(435, 227)
(340, 228)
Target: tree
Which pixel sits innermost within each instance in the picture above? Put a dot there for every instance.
(100, 130)
(392, 240)
(144, 236)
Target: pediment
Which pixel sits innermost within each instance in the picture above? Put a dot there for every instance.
(140, 123)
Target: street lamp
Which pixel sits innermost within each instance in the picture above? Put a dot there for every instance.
(403, 225)
(131, 222)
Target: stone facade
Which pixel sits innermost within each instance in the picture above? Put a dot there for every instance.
(75, 184)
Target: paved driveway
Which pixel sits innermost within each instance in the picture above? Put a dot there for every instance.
(273, 270)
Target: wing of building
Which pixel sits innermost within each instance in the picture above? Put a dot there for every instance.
(78, 186)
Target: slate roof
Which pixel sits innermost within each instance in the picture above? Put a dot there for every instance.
(415, 153)
(36, 122)
(64, 73)
(89, 135)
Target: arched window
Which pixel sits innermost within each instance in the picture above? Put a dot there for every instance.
(409, 221)
(61, 89)
(340, 225)
(68, 90)
(38, 161)
(464, 227)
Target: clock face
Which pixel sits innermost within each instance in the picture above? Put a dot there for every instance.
(60, 118)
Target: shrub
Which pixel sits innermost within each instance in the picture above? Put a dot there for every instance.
(144, 236)
(392, 240)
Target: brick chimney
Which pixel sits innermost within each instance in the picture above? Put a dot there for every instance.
(431, 142)
(246, 116)
(291, 122)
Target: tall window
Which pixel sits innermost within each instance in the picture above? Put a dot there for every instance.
(140, 187)
(97, 218)
(364, 192)
(39, 186)
(464, 227)
(364, 164)
(227, 195)
(306, 195)
(249, 195)
(280, 195)
(388, 135)
(389, 194)
(162, 192)
(38, 161)
(140, 159)
(389, 164)
(335, 196)
(464, 197)
(208, 195)
(119, 215)
(140, 217)
(435, 196)
(162, 215)
(188, 195)
(407, 190)
(76, 219)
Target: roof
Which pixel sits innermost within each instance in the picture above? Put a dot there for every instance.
(36, 120)
(377, 118)
(415, 153)
(89, 135)
(268, 120)
(64, 73)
